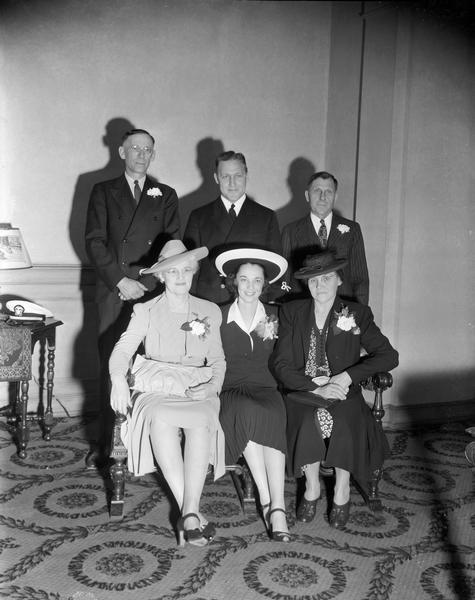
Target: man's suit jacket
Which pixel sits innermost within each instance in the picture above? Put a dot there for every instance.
(300, 239)
(211, 226)
(343, 348)
(122, 237)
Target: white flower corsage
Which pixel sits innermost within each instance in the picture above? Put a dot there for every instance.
(343, 228)
(268, 328)
(345, 321)
(198, 327)
(154, 192)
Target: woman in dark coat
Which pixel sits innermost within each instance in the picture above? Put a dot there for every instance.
(326, 348)
(252, 413)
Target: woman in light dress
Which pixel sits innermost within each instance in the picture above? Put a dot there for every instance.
(174, 388)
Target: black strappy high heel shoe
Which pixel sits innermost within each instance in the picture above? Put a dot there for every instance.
(278, 536)
(199, 536)
(265, 515)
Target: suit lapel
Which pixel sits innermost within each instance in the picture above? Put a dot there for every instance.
(306, 322)
(219, 221)
(124, 202)
(147, 205)
(309, 234)
(239, 227)
(335, 237)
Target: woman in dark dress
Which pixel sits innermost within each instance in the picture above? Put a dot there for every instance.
(326, 348)
(252, 410)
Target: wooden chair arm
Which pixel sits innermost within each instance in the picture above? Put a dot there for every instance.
(378, 383)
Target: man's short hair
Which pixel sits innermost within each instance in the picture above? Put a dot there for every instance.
(230, 155)
(323, 175)
(127, 134)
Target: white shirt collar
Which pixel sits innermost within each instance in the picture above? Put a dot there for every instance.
(130, 181)
(237, 205)
(234, 314)
(316, 221)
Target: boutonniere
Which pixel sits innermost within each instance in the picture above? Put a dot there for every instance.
(267, 329)
(345, 321)
(198, 327)
(154, 192)
(343, 228)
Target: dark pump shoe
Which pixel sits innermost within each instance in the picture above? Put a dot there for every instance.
(277, 536)
(339, 515)
(306, 510)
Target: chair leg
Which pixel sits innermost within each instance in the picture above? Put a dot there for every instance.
(117, 470)
(379, 383)
(244, 485)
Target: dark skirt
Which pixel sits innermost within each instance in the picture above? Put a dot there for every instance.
(357, 443)
(252, 413)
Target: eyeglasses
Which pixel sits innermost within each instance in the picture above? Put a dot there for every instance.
(145, 149)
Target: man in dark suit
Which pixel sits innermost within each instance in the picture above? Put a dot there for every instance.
(230, 221)
(128, 221)
(321, 229)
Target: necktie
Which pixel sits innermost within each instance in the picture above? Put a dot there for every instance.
(232, 213)
(322, 233)
(137, 191)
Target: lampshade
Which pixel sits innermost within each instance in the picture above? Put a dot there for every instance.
(13, 252)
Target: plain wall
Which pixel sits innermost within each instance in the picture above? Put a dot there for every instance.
(410, 186)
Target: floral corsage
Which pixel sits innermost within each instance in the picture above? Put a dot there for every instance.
(343, 228)
(345, 321)
(267, 329)
(198, 327)
(154, 192)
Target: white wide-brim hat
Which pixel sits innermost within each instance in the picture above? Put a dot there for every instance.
(172, 254)
(229, 261)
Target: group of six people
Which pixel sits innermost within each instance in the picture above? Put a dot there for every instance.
(278, 383)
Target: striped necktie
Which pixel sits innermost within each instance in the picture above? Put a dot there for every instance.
(232, 213)
(323, 234)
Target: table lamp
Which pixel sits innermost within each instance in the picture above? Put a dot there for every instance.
(13, 252)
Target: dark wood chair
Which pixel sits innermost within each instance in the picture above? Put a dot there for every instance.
(240, 472)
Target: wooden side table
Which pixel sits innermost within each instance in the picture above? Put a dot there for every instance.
(17, 344)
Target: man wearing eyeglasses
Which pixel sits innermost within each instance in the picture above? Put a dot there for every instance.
(128, 221)
(322, 228)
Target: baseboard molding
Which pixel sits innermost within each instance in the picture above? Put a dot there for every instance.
(425, 414)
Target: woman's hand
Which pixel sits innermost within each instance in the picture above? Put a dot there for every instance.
(342, 379)
(336, 387)
(200, 391)
(331, 391)
(120, 395)
(321, 380)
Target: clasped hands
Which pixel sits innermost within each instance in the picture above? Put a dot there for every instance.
(335, 387)
(130, 289)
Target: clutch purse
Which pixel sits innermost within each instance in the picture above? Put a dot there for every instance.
(148, 375)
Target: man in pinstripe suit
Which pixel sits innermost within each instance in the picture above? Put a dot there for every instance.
(322, 228)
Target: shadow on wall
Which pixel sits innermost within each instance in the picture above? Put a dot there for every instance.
(112, 139)
(437, 398)
(85, 367)
(300, 171)
(207, 150)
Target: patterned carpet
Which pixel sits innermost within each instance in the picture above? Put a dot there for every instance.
(57, 542)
